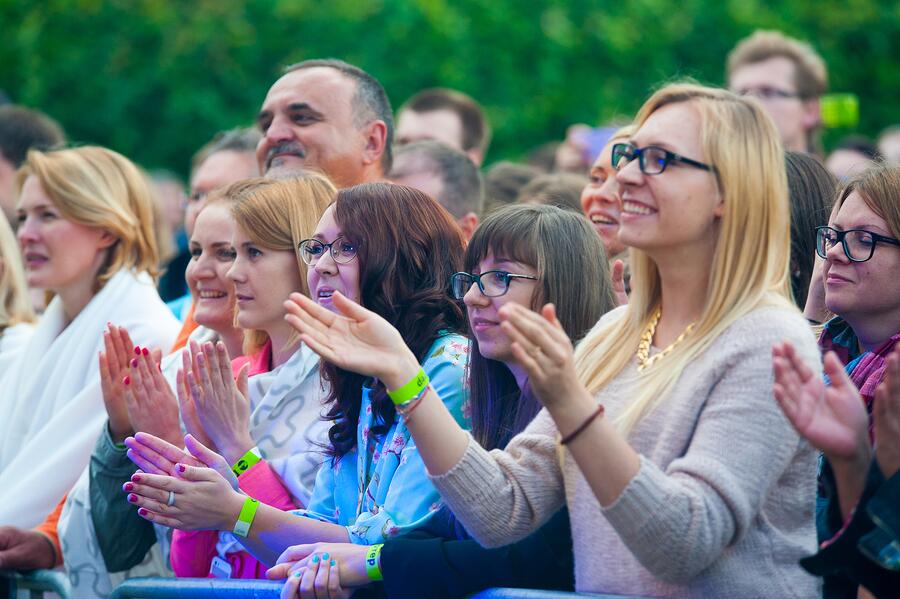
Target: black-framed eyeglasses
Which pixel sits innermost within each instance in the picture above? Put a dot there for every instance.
(492, 283)
(342, 251)
(859, 244)
(653, 160)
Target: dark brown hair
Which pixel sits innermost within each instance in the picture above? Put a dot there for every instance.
(476, 132)
(409, 246)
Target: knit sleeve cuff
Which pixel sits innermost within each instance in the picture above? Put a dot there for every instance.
(110, 458)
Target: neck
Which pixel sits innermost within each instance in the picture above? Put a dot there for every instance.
(279, 336)
(684, 278)
(873, 330)
(519, 374)
(75, 298)
(233, 338)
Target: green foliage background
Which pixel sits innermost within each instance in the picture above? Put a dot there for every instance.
(155, 79)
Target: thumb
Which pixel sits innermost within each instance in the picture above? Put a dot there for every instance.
(279, 572)
(836, 372)
(202, 452)
(242, 381)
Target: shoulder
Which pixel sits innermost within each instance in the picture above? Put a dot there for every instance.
(767, 325)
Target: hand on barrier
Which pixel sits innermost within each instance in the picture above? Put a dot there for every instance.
(24, 549)
(198, 498)
(887, 417)
(833, 418)
(319, 579)
(350, 556)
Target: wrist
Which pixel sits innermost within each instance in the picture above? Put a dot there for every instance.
(231, 510)
(234, 449)
(403, 371)
(856, 461)
(118, 434)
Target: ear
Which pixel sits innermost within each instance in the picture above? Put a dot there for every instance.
(107, 239)
(468, 223)
(476, 155)
(375, 136)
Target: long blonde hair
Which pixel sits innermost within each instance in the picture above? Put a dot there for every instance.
(750, 266)
(15, 305)
(278, 215)
(99, 188)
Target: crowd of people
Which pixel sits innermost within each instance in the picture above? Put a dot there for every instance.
(657, 359)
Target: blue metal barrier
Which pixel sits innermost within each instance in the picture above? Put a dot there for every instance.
(535, 594)
(37, 582)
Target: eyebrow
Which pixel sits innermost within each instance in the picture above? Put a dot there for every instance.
(863, 226)
(658, 144)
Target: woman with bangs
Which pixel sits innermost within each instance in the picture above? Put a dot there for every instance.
(16, 315)
(256, 419)
(86, 233)
(394, 249)
(526, 255)
(660, 433)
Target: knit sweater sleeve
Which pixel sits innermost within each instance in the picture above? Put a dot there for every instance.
(502, 496)
(741, 447)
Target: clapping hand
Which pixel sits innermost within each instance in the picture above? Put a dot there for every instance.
(886, 413)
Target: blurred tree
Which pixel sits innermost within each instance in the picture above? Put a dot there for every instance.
(155, 79)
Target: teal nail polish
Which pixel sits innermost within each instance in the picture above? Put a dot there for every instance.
(333, 563)
(324, 557)
(298, 573)
(315, 559)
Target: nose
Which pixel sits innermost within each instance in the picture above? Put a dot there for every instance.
(28, 231)
(279, 129)
(629, 173)
(235, 273)
(609, 193)
(474, 297)
(836, 253)
(326, 265)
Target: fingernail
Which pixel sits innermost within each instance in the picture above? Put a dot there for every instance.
(132, 498)
(298, 574)
(137, 350)
(333, 563)
(325, 557)
(181, 467)
(143, 511)
(315, 559)
(145, 351)
(127, 380)
(134, 362)
(128, 487)
(136, 478)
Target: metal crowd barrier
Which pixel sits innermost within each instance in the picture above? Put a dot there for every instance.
(36, 583)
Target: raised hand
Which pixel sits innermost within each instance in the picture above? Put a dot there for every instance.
(544, 350)
(186, 406)
(886, 413)
(201, 498)
(618, 282)
(356, 339)
(113, 363)
(833, 419)
(152, 407)
(221, 405)
(157, 456)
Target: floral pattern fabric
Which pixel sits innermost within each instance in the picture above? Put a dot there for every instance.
(381, 489)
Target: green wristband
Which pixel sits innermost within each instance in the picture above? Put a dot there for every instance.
(373, 567)
(247, 461)
(245, 519)
(410, 389)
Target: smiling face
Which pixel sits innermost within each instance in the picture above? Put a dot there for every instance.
(484, 321)
(60, 255)
(601, 203)
(211, 257)
(263, 279)
(307, 121)
(862, 291)
(678, 209)
(327, 276)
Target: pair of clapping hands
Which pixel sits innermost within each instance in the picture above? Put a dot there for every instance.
(833, 418)
(214, 408)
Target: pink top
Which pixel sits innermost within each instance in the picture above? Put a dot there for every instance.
(193, 551)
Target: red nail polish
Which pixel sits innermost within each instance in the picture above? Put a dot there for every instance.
(143, 511)
(181, 467)
(134, 362)
(127, 380)
(128, 487)
(145, 351)
(136, 478)
(132, 498)
(137, 350)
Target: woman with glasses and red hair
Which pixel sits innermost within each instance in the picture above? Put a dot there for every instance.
(856, 405)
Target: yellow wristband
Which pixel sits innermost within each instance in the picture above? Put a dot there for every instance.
(410, 389)
(245, 519)
(247, 461)
(373, 567)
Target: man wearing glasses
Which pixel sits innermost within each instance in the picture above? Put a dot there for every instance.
(788, 77)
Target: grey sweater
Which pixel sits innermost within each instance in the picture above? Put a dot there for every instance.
(723, 503)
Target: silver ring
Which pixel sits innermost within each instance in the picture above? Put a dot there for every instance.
(171, 499)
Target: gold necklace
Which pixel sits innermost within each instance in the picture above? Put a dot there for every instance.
(643, 352)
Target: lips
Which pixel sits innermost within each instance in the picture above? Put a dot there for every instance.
(483, 324)
(630, 207)
(240, 297)
(324, 294)
(836, 278)
(34, 259)
(211, 294)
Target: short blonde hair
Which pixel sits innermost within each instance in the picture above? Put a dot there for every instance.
(810, 73)
(742, 144)
(99, 188)
(15, 306)
(279, 214)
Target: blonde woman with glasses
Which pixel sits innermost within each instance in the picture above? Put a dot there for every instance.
(660, 432)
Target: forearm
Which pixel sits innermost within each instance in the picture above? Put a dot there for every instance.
(604, 457)
(273, 531)
(850, 478)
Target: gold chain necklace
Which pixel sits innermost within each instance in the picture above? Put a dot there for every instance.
(643, 352)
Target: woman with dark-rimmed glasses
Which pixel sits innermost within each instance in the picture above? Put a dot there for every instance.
(861, 251)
